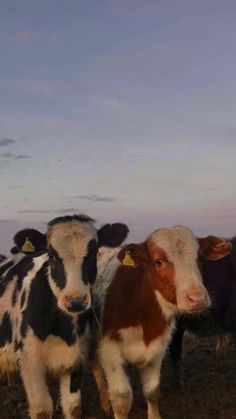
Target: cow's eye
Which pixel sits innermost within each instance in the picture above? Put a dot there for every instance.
(159, 263)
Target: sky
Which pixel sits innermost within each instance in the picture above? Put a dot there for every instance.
(121, 109)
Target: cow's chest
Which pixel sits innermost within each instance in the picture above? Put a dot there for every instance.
(135, 351)
(58, 355)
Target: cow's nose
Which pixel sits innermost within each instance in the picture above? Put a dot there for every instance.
(197, 300)
(76, 304)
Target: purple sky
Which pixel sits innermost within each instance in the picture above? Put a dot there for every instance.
(122, 109)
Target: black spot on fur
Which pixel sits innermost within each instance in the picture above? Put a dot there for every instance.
(22, 301)
(57, 268)
(76, 378)
(18, 346)
(112, 235)
(5, 267)
(20, 270)
(89, 267)
(67, 218)
(85, 319)
(5, 330)
(42, 313)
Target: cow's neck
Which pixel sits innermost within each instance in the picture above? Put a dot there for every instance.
(131, 302)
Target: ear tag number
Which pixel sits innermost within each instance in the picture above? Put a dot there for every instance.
(128, 261)
(28, 247)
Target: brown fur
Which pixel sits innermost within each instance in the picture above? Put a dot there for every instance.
(76, 413)
(161, 278)
(43, 415)
(102, 387)
(131, 299)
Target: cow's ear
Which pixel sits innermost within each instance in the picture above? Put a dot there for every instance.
(112, 235)
(30, 240)
(133, 255)
(214, 248)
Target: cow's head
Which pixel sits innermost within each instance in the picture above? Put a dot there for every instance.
(169, 261)
(73, 243)
(29, 241)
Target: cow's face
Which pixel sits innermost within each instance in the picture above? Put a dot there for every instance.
(178, 279)
(72, 258)
(170, 260)
(72, 249)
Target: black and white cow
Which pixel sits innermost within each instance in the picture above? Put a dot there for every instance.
(45, 310)
(26, 242)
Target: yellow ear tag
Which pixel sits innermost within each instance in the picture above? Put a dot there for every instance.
(128, 261)
(28, 247)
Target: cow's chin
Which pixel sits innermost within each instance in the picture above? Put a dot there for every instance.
(194, 311)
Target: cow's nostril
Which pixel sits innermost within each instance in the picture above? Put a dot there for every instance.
(197, 297)
(197, 300)
(76, 304)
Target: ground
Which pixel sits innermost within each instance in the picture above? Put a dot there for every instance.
(209, 390)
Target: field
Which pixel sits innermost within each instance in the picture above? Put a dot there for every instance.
(209, 390)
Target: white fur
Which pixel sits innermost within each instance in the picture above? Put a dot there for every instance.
(69, 401)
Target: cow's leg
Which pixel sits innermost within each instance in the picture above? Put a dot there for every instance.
(222, 345)
(119, 388)
(102, 387)
(70, 388)
(33, 375)
(175, 350)
(150, 376)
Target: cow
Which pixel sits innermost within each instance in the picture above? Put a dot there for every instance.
(143, 291)
(45, 310)
(218, 274)
(26, 241)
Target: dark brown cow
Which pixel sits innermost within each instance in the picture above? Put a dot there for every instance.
(219, 278)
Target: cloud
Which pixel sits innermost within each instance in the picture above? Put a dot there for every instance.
(42, 211)
(6, 141)
(25, 37)
(22, 156)
(95, 198)
(8, 155)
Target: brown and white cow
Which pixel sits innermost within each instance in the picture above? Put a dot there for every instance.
(155, 280)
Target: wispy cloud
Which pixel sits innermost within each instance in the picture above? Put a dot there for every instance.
(94, 198)
(7, 155)
(44, 211)
(22, 156)
(6, 141)
(25, 37)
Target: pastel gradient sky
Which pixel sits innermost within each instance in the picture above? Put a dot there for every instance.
(121, 109)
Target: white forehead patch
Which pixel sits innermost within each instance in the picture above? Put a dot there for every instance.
(70, 239)
(177, 242)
